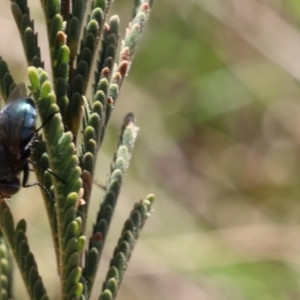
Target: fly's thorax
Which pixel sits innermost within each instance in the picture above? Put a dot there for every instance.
(21, 115)
(29, 119)
(18, 125)
(12, 166)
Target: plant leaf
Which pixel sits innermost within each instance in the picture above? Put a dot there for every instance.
(124, 248)
(17, 240)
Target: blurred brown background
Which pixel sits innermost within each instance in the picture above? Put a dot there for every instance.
(215, 89)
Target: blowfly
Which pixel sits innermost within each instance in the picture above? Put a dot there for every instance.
(17, 132)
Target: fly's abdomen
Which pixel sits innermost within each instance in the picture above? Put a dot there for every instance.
(10, 165)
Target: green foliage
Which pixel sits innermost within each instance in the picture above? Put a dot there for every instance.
(123, 250)
(230, 109)
(17, 240)
(5, 270)
(29, 39)
(65, 154)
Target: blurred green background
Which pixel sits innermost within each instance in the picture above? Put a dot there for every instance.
(215, 89)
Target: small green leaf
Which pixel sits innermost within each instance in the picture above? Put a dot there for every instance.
(100, 3)
(38, 290)
(88, 162)
(111, 285)
(21, 225)
(113, 273)
(71, 231)
(34, 79)
(71, 262)
(7, 223)
(81, 242)
(55, 26)
(73, 278)
(106, 295)
(71, 200)
(71, 247)
(91, 262)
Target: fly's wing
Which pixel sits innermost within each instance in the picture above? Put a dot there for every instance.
(18, 92)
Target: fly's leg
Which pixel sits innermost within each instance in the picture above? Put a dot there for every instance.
(25, 184)
(53, 174)
(47, 120)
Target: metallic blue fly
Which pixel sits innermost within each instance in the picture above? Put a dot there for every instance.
(17, 132)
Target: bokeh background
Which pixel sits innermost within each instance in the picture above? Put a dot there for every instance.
(215, 89)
